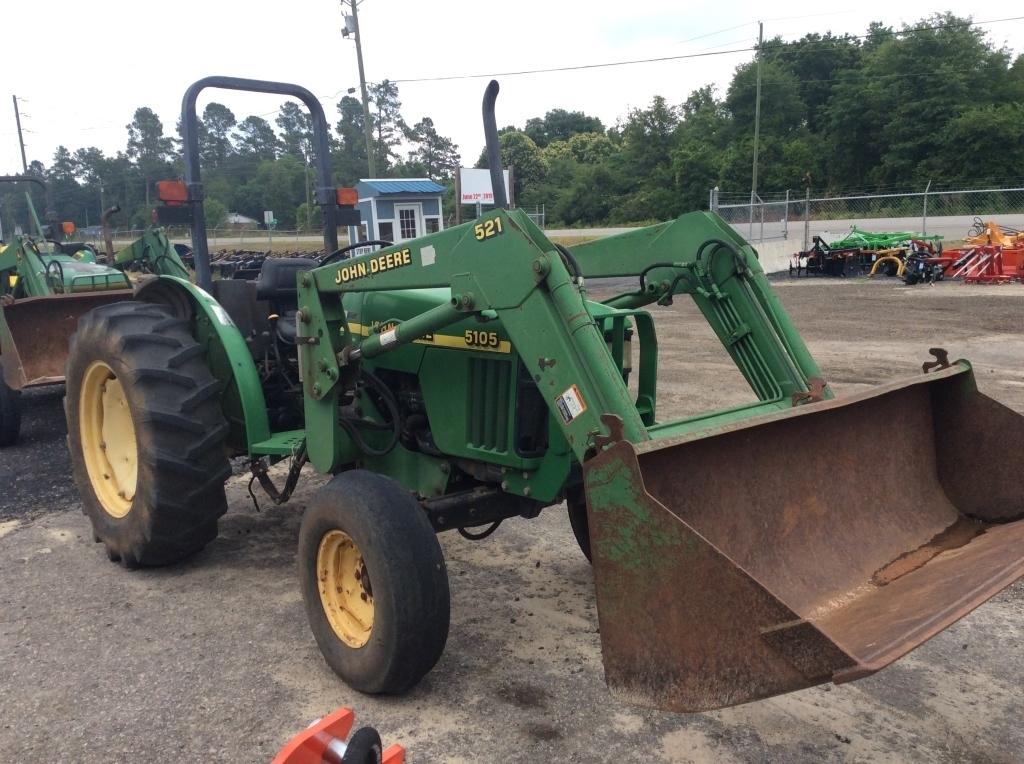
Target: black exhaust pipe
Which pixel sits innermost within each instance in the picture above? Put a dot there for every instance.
(493, 148)
(108, 237)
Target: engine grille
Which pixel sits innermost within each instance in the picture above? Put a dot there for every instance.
(488, 420)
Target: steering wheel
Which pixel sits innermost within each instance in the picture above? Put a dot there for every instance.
(55, 275)
(339, 253)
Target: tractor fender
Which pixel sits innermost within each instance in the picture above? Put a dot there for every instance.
(227, 353)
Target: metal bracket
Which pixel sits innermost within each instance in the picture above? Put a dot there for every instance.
(614, 425)
(815, 394)
(941, 360)
(258, 467)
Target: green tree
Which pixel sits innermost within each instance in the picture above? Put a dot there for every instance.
(309, 217)
(560, 125)
(519, 152)
(296, 129)
(389, 128)
(814, 61)
(782, 109)
(350, 156)
(437, 154)
(256, 139)
(984, 142)
(701, 137)
(151, 153)
(585, 148)
(886, 117)
(643, 167)
(215, 134)
(146, 140)
(216, 212)
(277, 186)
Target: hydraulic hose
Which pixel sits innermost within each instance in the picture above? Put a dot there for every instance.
(351, 425)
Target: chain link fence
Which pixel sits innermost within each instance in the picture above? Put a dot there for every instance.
(948, 213)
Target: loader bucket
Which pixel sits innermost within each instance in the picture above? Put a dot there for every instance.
(818, 543)
(34, 334)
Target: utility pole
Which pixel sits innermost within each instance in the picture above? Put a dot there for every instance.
(21, 139)
(370, 160)
(757, 123)
(309, 202)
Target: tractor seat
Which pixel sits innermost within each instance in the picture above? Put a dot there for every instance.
(278, 281)
(278, 285)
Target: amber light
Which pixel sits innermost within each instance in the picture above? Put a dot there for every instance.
(347, 197)
(172, 191)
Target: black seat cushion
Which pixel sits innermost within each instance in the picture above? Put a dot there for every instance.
(278, 280)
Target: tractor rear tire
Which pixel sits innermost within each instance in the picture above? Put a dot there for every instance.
(146, 434)
(10, 415)
(576, 502)
(374, 582)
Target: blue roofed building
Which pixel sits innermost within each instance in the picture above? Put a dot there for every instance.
(397, 209)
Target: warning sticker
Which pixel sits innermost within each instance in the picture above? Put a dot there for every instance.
(570, 404)
(389, 338)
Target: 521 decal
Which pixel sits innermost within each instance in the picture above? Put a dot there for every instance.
(488, 229)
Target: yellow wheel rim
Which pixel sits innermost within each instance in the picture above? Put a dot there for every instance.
(345, 591)
(108, 439)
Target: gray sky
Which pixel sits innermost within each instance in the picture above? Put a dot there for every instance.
(85, 67)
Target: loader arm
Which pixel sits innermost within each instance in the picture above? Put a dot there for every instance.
(502, 266)
(154, 250)
(22, 259)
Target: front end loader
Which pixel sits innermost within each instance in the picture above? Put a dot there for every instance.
(457, 380)
(45, 288)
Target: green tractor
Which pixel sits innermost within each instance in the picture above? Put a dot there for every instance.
(46, 286)
(463, 378)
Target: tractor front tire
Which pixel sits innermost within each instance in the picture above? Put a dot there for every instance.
(10, 415)
(146, 434)
(374, 583)
(576, 503)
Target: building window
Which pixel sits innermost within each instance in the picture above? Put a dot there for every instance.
(407, 223)
(387, 230)
(433, 224)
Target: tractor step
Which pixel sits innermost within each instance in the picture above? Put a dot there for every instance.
(283, 443)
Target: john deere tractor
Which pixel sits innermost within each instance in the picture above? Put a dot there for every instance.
(46, 285)
(460, 379)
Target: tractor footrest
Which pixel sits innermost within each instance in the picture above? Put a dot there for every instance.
(283, 443)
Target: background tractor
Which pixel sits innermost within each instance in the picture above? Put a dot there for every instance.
(45, 287)
(464, 378)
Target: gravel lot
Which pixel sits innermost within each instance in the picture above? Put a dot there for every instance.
(212, 660)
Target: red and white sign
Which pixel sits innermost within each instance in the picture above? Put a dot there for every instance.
(476, 188)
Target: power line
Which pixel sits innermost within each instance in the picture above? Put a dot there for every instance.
(704, 54)
(574, 68)
(712, 34)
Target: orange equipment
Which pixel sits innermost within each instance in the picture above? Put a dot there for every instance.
(323, 742)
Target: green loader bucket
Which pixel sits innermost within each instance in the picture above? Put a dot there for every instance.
(817, 544)
(34, 334)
